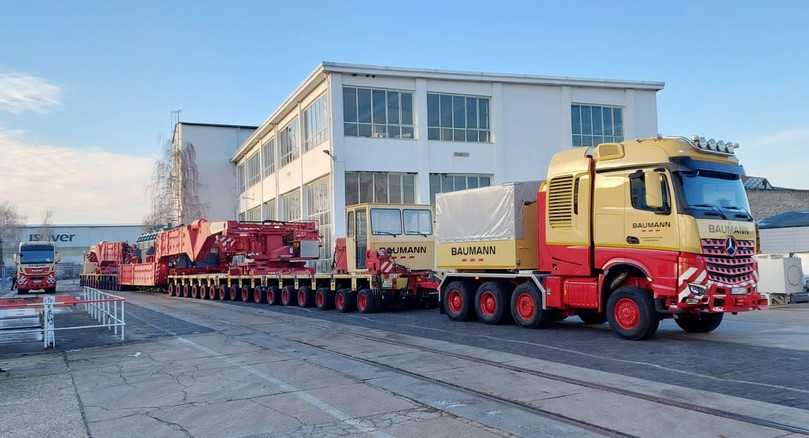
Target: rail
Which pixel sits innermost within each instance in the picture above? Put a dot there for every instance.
(108, 310)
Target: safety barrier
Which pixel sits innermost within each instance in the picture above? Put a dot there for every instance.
(107, 309)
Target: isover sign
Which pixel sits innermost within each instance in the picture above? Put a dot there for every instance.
(56, 237)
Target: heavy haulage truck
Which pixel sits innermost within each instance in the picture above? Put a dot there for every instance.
(629, 233)
(36, 267)
(384, 261)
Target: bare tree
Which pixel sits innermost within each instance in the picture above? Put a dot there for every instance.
(174, 189)
(10, 221)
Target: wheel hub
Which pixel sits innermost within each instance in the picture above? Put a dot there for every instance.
(627, 313)
(525, 306)
(454, 301)
(488, 303)
(361, 302)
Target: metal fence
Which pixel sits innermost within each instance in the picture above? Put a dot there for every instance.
(106, 309)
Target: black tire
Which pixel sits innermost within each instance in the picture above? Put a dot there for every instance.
(345, 301)
(260, 295)
(631, 313)
(306, 298)
(223, 293)
(367, 302)
(324, 299)
(233, 293)
(492, 301)
(273, 295)
(526, 307)
(458, 298)
(289, 296)
(702, 323)
(592, 317)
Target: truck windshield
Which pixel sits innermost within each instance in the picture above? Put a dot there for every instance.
(714, 194)
(386, 221)
(36, 254)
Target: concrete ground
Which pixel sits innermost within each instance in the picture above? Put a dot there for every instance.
(203, 368)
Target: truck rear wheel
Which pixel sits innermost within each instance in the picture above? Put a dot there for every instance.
(232, 293)
(526, 307)
(194, 291)
(702, 323)
(305, 297)
(366, 301)
(259, 293)
(593, 317)
(458, 299)
(273, 296)
(222, 293)
(288, 296)
(491, 302)
(345, 300)
(324, 299)
(185, 291)
(631, 313)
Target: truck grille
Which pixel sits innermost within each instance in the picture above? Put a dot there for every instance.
(736, 269)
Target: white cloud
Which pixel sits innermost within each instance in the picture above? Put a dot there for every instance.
(20, 92)
(780, 156)
(79, 186)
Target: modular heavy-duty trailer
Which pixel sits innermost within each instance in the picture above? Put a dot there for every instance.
(385, 261)
(629, 233)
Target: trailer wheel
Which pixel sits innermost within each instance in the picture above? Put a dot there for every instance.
(259, 295)
(170, 290)
(701, 323)
(203, 292)
(367, 302)
(526, 307)
(305, 297)
(232, 293)
(458, 299)
(491, 300)
(194, 291)
(223, 291)
(324, 299)
(245, 294)
(273, 296)
(344, 300)
(592, 317)
(631, 313)
(185, 291)
(288, 296)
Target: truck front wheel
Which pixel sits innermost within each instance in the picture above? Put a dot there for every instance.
(702, 323)
(458, 300)
(631, 313)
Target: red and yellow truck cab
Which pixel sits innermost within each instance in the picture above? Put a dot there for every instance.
(629, 233)
(36, 267)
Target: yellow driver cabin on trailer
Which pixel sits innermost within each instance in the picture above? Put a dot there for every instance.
(405, 231)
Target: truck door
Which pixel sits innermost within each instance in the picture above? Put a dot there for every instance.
(361, 237)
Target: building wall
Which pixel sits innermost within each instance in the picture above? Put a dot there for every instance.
(528, 123)
(767, 203)
(214, 146)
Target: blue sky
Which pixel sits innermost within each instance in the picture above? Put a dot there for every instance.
(733, 70)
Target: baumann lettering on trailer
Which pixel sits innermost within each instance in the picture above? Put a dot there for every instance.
(474, 250)
(728, 229)
(407, 250)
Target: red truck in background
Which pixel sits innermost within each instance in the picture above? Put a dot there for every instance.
(36, 267)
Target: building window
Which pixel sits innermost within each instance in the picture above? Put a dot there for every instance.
(377, 113)
(318, 208)
(253, 169)
(314, 124)
(593, 124)
(268, 155)
(269, 210)
(458, 118)
(288, 143)
(290, 206)
(380, 187)
(253, 214)
(241, 174)
(451, 182)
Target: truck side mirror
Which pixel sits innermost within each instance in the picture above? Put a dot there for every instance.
(653, 182)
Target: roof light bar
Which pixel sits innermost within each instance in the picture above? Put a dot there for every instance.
(711, 145)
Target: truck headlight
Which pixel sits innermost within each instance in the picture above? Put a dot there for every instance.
(697, 289)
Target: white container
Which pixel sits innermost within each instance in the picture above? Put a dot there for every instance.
(779, 274)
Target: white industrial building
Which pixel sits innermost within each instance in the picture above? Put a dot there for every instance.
(358, 133)
(215, 197)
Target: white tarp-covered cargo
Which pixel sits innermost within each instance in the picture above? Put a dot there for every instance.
(486, 213)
